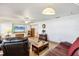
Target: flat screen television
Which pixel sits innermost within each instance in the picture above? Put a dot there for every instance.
(19, 28)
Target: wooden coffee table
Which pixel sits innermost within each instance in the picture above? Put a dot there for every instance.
(39, 46)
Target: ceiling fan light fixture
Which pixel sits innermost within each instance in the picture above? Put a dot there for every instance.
(27, 22)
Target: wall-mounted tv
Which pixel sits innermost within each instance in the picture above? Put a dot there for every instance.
(19, 28)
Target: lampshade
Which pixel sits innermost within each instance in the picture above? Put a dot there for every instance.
(48, 11)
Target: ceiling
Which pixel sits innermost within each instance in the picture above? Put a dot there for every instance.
(17, 12)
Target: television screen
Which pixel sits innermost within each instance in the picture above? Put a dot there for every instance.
(19, 28)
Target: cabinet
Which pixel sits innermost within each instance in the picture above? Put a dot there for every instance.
(31, 32)
(43, 37)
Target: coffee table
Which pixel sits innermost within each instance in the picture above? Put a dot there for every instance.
(39, 46)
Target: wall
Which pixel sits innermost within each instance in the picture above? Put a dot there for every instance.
(5, 28)
(61, 29)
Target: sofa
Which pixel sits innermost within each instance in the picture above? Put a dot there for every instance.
(16, 47)
(64, 49)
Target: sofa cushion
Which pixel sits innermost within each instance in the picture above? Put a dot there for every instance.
(66, 44)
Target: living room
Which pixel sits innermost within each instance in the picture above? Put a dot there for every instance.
(39, 29)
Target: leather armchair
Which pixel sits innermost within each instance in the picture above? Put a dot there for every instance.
(16, 47)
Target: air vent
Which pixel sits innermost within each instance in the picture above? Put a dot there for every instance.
(58, 17)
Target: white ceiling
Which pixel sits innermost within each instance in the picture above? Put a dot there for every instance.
(17, 12)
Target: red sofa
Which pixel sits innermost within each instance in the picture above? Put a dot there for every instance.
(65, 49)
(60, 50)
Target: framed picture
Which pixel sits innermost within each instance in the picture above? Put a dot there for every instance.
(44, 26)
(16, 28)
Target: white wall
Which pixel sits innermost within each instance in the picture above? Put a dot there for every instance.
(5, 28)
(61, 29)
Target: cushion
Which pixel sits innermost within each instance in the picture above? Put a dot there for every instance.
(66, 44)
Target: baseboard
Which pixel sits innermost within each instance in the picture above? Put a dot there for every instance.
(53, 42)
